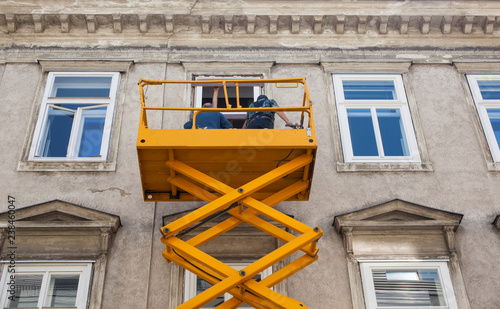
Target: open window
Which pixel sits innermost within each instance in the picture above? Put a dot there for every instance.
(75, 117)
(247, 94)
(486, 93)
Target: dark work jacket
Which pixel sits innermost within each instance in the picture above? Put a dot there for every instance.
(209, 121)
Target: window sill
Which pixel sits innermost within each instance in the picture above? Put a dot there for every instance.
(66, 166)
(494, 166)
(385, 167)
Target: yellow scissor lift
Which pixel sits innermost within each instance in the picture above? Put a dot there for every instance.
(261, 168)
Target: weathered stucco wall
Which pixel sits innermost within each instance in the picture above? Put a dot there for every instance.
(459, 183)
(438, 35)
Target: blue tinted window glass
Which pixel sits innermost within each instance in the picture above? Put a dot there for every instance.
(490, 89)
(81, 86)
(369, 90)
(59, 123)
(93, 127)
(494, 115)
(392, 132)
(362, 134)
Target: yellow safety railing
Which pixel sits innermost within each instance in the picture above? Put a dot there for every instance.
(278, 83)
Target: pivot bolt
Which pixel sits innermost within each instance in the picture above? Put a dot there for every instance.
(240, 190)
(242, 273)
(166, 230)
(316, 229)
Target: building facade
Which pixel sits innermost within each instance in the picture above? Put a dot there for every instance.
(406, 102)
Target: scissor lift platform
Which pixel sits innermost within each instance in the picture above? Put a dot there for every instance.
(233, 156)
(243, 173)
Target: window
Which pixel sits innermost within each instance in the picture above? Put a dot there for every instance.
(375, 121)
(486, 93)
(421, 238)
(407, 285)
(195, 285)
(247, 95)
(75, 117)
(47, 285)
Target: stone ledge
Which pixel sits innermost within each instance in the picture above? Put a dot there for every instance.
(250, 24)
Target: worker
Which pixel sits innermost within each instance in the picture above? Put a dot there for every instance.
(264, 120)
(210, 120)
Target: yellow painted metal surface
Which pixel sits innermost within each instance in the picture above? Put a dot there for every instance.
(243, 173)
(235, 156)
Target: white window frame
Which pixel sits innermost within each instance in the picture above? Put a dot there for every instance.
(441, 266)
(46, 269)
(74, 142)
(482, 107)
(400, 103)
(190, 281)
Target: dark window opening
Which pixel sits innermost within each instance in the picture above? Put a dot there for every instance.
(246, 95)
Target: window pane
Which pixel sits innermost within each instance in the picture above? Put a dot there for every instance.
(81, 86)
(490, 89)
(62, 291)
(58, 131)
(392, 132)
(92, 131)
(369, 90)
(362, 133)
(408, 288)
(494, 115)
(202, 286)
(27, 291)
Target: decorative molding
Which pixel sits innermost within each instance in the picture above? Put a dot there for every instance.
(85, 65)
(399, 215)
(67, 23)
(225, 68)
(58, 230)
(404, 24)
(478, 67)
(399, 230)
(366, 67)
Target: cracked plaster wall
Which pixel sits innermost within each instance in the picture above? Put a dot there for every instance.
(136, 274)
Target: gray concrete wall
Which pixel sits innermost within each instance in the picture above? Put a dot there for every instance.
(137, 276)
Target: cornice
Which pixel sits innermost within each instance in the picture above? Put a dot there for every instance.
(360, 23)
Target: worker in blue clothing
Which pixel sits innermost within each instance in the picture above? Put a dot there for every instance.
(264, 120)
(210, 120)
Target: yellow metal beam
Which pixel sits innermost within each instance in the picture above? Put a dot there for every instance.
(249, 216)
(205, 274)
(230, 197)
(233, 277)
(274, 278)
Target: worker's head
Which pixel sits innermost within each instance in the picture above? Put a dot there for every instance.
(207, 105)
(262, 97)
